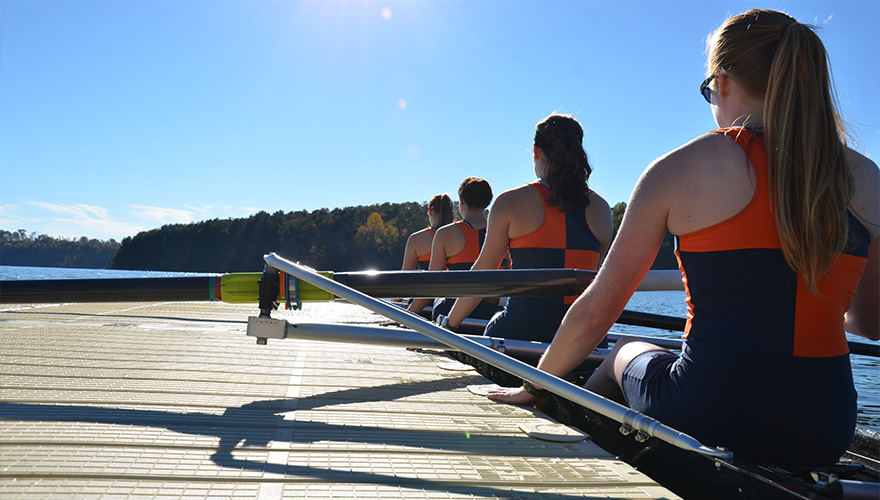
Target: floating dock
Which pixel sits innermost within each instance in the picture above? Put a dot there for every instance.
(174, 400)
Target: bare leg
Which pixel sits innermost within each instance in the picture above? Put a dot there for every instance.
(606, 381)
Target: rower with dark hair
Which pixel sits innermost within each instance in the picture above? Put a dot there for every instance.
(555, 222)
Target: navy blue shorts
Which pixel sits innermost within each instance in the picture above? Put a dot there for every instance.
(798, 411)
(643, 378)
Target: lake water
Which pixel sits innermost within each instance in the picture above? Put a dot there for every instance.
(55, 273)
(866, 370)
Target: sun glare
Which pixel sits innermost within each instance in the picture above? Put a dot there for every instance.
(386, 13)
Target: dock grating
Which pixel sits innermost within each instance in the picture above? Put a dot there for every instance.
(173, 400)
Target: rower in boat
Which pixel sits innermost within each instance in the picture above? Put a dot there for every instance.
(776, 223)
(417, 253)
(556, 221)
(456, 246)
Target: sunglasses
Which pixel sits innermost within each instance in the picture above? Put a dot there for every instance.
(704, 87)
(705, 90)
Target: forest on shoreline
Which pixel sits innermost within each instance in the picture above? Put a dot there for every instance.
(343, 239)
(18, 248)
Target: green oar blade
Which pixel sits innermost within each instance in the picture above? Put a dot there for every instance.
(244, 288)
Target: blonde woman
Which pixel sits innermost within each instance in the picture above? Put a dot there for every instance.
(776, 222)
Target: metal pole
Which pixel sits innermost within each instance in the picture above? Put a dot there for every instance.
(552, 383)
(404, 337)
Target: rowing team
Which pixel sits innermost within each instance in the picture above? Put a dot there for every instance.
(776, 222)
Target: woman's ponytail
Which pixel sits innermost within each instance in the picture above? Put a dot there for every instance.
(770, 54)
(806, 149)
(568, 170)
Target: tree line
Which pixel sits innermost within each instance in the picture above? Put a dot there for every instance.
(342, 239)
(18, 248)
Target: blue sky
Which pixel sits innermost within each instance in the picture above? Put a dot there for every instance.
(122, 116)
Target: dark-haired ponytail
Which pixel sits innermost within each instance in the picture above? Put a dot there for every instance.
(441, 206)
(560, 138)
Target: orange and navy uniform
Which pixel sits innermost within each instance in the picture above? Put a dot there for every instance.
(462, 261)
(765, 370)
(564, 240)
(474, 239)
(423, 261)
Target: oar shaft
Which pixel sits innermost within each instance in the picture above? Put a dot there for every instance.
(186, 288)
(484, 283)
(489, 283)
(523, 350)
(558, 386)
(244, 287)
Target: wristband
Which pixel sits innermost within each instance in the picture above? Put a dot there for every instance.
(444, 323)
(534, 391)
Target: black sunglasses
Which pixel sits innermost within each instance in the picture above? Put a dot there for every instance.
(704, 87)
(705, 90)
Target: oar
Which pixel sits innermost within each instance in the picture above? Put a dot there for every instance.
(646, 425)
(231, 288)
(523, 350)
(245, 288)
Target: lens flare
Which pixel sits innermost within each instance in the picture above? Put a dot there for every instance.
(386, 13)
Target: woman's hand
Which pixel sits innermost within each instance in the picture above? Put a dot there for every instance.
(512, 395)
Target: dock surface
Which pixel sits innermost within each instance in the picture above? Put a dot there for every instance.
(174, 400)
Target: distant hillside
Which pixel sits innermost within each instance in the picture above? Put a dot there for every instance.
(20, 249)
(342, 239)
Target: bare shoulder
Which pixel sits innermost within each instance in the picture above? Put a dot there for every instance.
(684, 168)
(509, 201)
(598, 203)
(446, 232)
(598, 215)
(711, 148)
(866, 200)
(701, 183)
(515, 194)
(421, 237)
(598, 212)
(863, 169)
(418, 234)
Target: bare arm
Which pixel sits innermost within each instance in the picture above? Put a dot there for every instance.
(863, 316)
(599, 219)
(410, 258)
(493, 251)
(438, 263)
